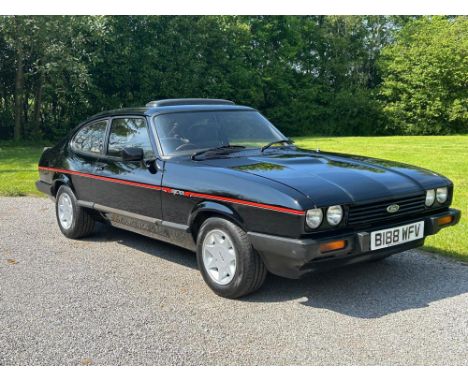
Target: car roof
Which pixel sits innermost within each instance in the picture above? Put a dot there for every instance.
(172, 106)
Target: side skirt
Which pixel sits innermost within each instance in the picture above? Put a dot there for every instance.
(173, 233)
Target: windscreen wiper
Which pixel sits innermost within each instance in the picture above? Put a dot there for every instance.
(215, 149)
(274, 143)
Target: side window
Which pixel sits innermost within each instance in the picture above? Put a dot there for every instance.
(90, 139)
(129, 132)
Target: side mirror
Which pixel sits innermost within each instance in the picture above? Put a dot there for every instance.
(151, 166)
(132, 154)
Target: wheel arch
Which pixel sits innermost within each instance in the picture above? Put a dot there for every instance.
(208, 209)
(61, 180)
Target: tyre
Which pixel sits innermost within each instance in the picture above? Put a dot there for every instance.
(74, 221)
(226, 259)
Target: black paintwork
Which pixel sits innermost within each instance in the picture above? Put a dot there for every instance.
(286, 177)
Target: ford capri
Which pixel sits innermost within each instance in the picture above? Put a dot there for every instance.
(220, 180)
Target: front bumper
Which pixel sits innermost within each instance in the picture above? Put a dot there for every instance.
(294, 258)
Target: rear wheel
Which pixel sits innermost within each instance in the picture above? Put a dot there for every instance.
(226, 259)
(74, 221)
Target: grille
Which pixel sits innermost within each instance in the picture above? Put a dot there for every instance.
(374, 212)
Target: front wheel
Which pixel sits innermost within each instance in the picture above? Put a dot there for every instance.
(226, 259)
(74, 221)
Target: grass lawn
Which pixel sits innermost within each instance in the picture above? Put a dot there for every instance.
(18, 169)
(447, 155)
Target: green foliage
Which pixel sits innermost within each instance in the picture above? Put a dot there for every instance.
(308, 74)
(57, 52)
(425, 77)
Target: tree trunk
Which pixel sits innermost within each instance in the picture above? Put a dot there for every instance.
(25, 116)
(19, 83)
(37, 106)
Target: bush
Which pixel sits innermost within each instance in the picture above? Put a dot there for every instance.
(425, 77)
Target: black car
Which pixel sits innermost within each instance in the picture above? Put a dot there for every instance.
(220, 179)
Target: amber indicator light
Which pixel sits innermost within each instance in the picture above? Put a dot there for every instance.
(444, 220)
(332, 246)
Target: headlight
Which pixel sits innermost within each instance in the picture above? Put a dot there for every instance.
(442, 194)
(314, 217)
(430, 197)
(334, 215)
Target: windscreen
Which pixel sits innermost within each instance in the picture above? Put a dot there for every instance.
(188, 132)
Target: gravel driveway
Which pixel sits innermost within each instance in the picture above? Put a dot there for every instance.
(120, 298)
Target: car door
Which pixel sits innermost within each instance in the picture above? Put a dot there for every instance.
(86, 147)
(129, 190)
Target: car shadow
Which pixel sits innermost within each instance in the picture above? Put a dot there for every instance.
(153, 247)
(410, 280)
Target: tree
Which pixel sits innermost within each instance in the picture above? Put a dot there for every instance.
(51, 57)
(310, 75)
(425, 77)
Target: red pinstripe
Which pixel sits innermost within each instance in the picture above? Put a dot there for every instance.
(189, 194)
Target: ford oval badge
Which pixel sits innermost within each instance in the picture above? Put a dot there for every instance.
(392, 208)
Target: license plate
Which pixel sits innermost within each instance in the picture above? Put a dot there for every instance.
(397, 235)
